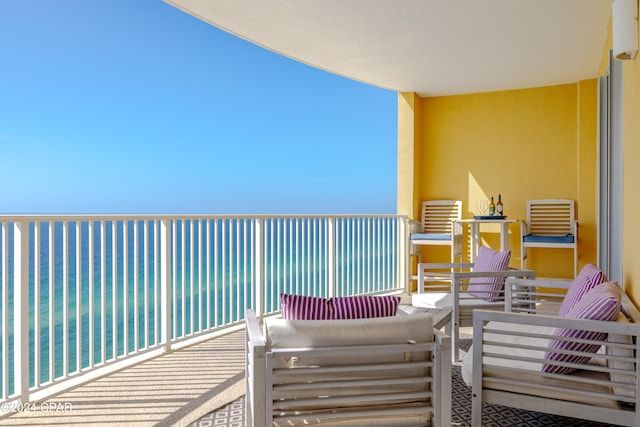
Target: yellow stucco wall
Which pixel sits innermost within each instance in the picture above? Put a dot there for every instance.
(524, 144)
(406, 141)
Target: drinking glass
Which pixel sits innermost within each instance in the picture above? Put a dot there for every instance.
(482, 206)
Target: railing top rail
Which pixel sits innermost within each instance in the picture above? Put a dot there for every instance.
(106, 217)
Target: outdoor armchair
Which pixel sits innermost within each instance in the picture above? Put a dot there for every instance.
(463, 288)
(385, 371)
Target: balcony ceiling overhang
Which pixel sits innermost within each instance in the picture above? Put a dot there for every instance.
(431, 47)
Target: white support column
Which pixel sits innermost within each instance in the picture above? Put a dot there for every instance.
(21, 308)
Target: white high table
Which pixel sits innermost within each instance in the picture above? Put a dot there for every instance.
(474, 233)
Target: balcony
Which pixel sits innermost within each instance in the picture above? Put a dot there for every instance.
(83, 296)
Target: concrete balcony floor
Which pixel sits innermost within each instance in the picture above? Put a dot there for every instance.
(173, 389)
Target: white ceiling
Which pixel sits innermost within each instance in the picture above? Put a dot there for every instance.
(431, 47)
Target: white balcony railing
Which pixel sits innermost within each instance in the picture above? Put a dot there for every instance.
(80, 295)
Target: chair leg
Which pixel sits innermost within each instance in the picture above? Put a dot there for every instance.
(476, 408)
(455, 342)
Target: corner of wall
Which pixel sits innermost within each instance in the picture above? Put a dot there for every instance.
(406, 146)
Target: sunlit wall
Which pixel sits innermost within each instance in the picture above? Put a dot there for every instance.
(522, 144)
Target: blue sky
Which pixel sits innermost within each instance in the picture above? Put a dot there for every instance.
(132, 106)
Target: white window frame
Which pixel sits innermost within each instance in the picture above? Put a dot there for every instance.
(610, 172)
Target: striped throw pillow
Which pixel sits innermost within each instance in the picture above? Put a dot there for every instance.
(589, 277)
(600, 303)
(299, 307)
(489, 288)
(364, 306)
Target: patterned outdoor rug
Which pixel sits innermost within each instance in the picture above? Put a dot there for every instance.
(232, 415)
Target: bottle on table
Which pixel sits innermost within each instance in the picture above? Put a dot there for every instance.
(499, 206)
(492, 207)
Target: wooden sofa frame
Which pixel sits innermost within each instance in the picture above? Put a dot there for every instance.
(265, 387)
(579, 394)
(453, 278)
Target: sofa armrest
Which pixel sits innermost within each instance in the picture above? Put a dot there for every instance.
(255, 372)
(539, 296)
(442, 377)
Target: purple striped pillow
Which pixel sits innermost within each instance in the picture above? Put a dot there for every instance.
(364, 306)
(488, 288)
(589, 277)
(600, 303)
(299, 307)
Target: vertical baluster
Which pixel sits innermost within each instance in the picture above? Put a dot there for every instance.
(36, 303)
(365, 255)
(192, 298)
(387, 254)
(21, 309)
(278, 257)
(216, 259)
(245, 266)
(5, 309)
(125, 285)
(192, 301)
(380, 258)
(401, 272)
(158, 264)
(361, 264)
(92, 274)
(354, 256)
(78, 246)
(200, 274)
(369, 239)
(307, 284)
(52, 341)
(223, 247)
(114, 287)
(136, 283)
(383, 255)
(232, 285)
(315, 256)
(238, 264)
(65, 298)
(103, 291)
(346, 242)
(298, 253)
(291, 257)
(331, 254)
(208, 266)
(183, 292)
(339, 248)
(165, 280)
(258, 265)
(174, 287)
(270, 257)
(145, 283)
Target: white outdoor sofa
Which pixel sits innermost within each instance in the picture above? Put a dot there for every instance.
(504, 364)
(387, 371)
(443, 285)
